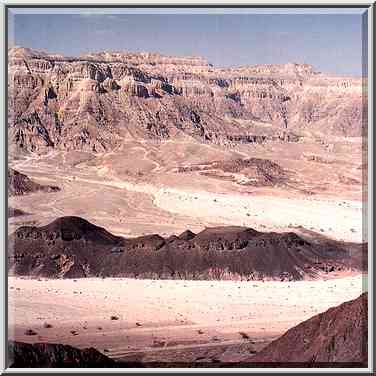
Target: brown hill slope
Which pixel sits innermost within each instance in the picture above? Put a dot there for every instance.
(73, 247)
(251, 171)
(68, 246)
(20, 184)
(339, 335)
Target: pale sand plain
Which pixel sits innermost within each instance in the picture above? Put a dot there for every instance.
(166, 315)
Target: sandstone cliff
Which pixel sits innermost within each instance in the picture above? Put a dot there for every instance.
(94, 101)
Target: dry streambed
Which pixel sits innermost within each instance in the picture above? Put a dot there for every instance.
(342, 220)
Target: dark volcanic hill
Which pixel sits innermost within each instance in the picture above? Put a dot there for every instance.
(94, 101)
(20, 184)
(73, 247)
(49, 355)
(339, 335)
(67, 247)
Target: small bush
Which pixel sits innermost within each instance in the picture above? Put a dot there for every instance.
(244, 335)
(30, 332)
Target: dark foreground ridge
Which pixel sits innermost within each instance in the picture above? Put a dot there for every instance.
(20, 184)
(335, 338)
(71, 247)
(339, 335)
(51, 355)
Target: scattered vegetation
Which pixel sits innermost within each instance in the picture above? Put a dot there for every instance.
(30, 332)
(244, 335)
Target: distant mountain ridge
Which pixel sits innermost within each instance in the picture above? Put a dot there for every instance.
(95, 101)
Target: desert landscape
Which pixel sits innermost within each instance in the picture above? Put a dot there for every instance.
(165, 212)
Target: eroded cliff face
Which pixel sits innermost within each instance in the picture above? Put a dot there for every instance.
(95, 101)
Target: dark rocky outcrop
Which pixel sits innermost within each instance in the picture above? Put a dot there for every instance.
(187, 235)
(13, 212)
(72, 247)
(339, 335)
(20, 184)
(49, 355)
(251, 171)
(68, 246)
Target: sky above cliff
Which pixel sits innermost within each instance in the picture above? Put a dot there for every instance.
(332, 43)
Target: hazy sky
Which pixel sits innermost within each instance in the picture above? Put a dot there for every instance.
(330, 42)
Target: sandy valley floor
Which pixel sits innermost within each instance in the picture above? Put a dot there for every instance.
(167, 203)
(166, 315)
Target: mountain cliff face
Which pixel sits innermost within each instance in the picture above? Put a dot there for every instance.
(95, 101)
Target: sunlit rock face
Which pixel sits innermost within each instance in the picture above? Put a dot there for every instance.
(339, 335)
(92, 102)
